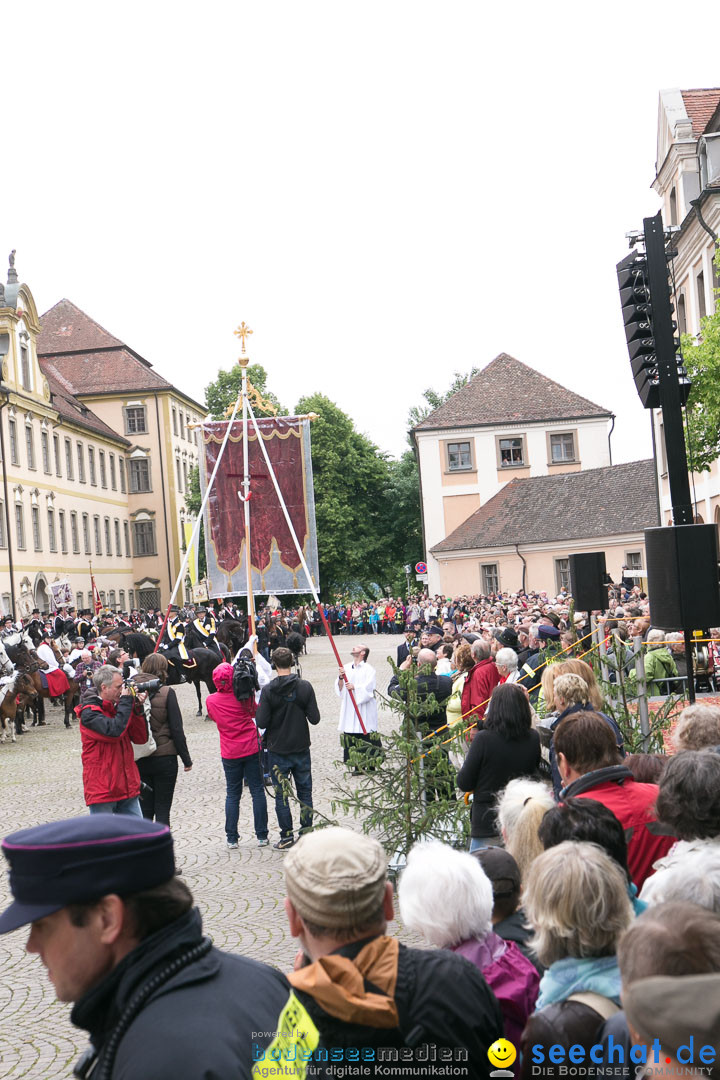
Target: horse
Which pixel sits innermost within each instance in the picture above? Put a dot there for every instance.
(19, 693)
(206, 660)
(233, 634)
(29, 663)
(135, 643)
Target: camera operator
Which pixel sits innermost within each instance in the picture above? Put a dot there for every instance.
(111, 718)
(159, 770)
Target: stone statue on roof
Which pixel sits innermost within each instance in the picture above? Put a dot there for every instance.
(11, 258)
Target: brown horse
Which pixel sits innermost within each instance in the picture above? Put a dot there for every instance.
(20, 693)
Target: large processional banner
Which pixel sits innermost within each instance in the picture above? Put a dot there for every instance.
(275, 564)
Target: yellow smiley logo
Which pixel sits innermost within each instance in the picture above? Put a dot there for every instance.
(502, 1053)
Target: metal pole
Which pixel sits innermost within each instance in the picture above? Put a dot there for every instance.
(246, 499)
(7, 505)
(667, 366)
(643, 711)
(690, 664)
(598, 632)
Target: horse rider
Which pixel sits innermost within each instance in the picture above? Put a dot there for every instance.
(36, 627)
(83, 627)
(11, 635)
(206, 630)
(173, 643)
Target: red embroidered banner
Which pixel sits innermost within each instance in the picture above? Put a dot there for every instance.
(276, 566)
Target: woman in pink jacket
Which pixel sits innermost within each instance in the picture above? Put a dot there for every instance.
(239, 749)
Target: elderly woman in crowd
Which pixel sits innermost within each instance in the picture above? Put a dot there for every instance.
(520, 809)
(576, 899)
(505, 747)
(506, 661)
(688, 805)
(659, 666)
(571, 694)
(445, 896)
(698, 728)
(463, 663)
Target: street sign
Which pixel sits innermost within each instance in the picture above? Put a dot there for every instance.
(421, 568)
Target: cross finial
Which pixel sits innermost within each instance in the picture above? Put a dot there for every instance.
(242, 332)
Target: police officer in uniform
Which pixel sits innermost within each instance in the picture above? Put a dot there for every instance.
(532, 669)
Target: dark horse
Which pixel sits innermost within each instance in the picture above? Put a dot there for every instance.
(136, 644)
(206, 660)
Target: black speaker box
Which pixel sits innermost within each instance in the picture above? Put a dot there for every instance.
(587, 577)
(683, 579)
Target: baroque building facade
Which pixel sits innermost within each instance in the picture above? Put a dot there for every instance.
(687, 180)
(96, 451)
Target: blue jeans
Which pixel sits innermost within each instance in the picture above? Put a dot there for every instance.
(297, 766)
(119, 806)
(238, 770)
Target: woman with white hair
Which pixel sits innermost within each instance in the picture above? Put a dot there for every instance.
(520, 809)
(445, 896)
(576, 899)
(506, 661)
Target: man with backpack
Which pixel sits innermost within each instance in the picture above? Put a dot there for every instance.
(287, 705)
(233, 710)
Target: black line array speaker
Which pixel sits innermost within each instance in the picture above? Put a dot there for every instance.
(587, 581)
(683, 579)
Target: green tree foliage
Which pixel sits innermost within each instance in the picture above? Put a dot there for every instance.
(404, 516)
(351, 478)
(223, 392)
(408, 792)
(193, 501)
(702, 360)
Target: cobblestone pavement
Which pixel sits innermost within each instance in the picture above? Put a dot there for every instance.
(240, 893)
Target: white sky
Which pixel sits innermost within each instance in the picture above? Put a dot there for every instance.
(386, 191)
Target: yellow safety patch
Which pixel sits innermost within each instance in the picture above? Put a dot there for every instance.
(295, 1040)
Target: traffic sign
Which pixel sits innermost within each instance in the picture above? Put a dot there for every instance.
(420, 568)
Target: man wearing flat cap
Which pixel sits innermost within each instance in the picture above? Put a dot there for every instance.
(532, 670)
(120, 938)
(363, 988)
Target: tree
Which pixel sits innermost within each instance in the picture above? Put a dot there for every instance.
(403, 516)
(702, 361)
(222, 393)
(350, 476)
(418, 413)
(193, 501)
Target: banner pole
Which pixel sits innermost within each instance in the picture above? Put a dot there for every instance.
(196, 527)
(313, 590)
(245, 497)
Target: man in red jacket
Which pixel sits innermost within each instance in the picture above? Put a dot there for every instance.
(480, 683)
(591, 767)
(111, 720)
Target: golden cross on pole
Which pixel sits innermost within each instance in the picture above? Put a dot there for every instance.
(242, 332)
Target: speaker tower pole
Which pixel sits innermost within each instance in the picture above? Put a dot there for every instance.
(670, 400)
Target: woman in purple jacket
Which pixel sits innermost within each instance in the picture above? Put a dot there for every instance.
(446, 897)
(239, 749)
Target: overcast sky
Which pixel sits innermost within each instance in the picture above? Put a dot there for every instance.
(387, 192)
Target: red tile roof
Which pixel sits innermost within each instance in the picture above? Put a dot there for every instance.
(86, 359)
(610, 501)
(700, 106)
(71, 409)
(116, 370)
(65, 328)
(506, 392)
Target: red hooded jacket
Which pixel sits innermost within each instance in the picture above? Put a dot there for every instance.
(107, 732)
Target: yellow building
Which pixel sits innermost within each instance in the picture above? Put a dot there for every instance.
(97, 451)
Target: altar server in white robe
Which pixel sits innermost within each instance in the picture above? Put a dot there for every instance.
(361, 677)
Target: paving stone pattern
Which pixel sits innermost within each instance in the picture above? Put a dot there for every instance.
(240, 893)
